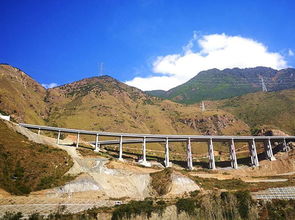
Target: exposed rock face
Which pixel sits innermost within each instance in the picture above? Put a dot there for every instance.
(214, 125)
(81, 184)
(182, 184)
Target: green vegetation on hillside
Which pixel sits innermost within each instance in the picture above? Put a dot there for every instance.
(272, 109)
(217, 84)
(26, 166)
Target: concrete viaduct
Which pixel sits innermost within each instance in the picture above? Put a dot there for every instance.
(122, 138)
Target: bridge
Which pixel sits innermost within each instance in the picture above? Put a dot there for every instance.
(133, 138)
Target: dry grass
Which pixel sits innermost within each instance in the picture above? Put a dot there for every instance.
(26, 166)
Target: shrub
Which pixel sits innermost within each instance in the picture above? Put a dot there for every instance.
(133, 209)
(187, 205)
(244, 203)
(12, 216)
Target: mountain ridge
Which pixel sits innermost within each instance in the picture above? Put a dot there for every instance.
(217, 84)
(104, 103)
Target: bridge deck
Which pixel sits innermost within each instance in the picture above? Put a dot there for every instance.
(159, 137)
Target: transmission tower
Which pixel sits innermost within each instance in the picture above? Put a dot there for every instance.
(100, 69)
(264, 89)
(202, 106)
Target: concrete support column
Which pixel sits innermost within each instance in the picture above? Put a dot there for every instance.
(211, 155)
(253, 153)
(144, 150)
(268, 150)
(143, 161)
(58, 137)
(189, 155)
(286, 147)
(97, 145)
(233, 156)
(121, 149)
(78, 139)
(39, 131)
(167, 162)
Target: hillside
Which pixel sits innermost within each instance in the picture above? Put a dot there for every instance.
(270, 109)
(21, 96)
(103, 103)
(26, 166)
(217, 84)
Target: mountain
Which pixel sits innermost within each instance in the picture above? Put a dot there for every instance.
(103, 103)
(217, 84)
(263, 109)
(21, 96)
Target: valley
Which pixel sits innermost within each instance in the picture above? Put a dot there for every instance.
(67, 178)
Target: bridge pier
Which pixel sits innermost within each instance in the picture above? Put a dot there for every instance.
(97, 145)
(121, 149)
(286, 147)
(211, 155)
(39, 131)
(268, 150)
(58, 137)
(233, 156)
(144, 150)
(143, 161)
(166, 161)
(78, 139)
(189, 155)
(253, 153)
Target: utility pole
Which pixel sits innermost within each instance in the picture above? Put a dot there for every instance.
(264, 89)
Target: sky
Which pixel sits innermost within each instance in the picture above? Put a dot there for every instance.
(149, 44)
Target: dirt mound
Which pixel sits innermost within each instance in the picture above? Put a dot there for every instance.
(284, 163)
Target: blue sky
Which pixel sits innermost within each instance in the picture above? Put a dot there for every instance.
(151, 44)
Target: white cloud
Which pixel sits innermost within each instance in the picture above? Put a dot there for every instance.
(216, 51)
(290, 53)
(49, 85)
